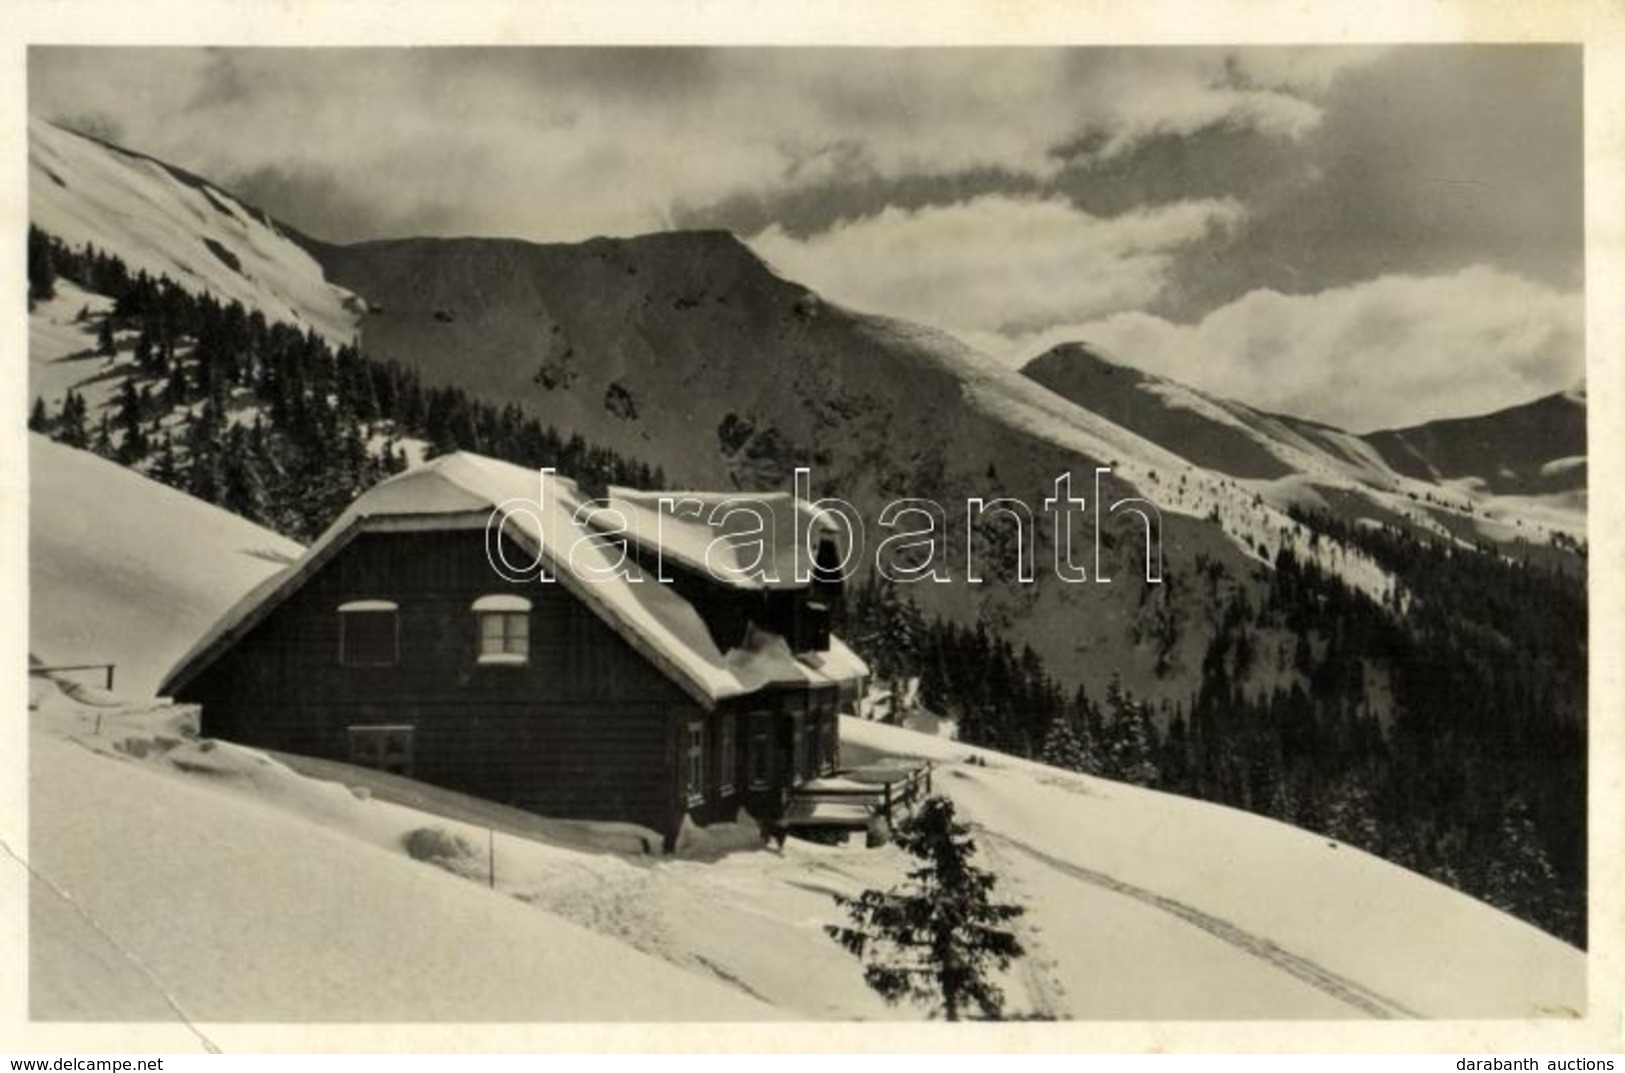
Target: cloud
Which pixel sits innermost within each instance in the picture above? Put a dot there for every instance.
(1389, 352)
(996, 263)
(561, 144)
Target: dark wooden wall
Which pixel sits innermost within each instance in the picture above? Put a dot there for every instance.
(588, 728)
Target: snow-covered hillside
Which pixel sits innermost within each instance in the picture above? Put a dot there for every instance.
(1286, 462)
(210, 884)
(1208, 912)
(167, 865)
(62, 349)
(198, 880)
(162, 220)
(124, 569)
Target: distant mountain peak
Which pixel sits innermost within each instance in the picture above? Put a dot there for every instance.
(1079, 356)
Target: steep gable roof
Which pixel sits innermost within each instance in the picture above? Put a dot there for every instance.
(465, 490)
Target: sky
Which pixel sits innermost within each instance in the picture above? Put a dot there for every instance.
(1370, 237)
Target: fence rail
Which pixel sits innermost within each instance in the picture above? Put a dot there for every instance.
(108, 667)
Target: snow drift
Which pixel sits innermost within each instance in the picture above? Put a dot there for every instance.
(179, 879)
(174, 224)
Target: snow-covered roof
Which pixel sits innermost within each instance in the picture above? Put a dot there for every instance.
(745, 540)
(463, 490)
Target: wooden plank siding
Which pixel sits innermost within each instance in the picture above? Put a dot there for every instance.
(585, 729)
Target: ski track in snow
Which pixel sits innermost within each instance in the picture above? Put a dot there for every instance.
(1315, 975)
(140, 966)
(1035, 969)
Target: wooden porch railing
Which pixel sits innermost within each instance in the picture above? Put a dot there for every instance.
(885, 798)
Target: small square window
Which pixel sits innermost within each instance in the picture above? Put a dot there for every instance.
(386, 748)
(369, 634)
(504, 629)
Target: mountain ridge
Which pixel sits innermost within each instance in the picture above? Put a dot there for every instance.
(1288, 621)
(690, 348)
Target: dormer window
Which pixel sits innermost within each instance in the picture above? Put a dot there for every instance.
(811, 627)
(504, 629)
(369, 634)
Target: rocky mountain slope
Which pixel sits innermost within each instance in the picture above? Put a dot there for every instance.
(686, 350)
(1533, 449)
(1304, 655)
(1511, 478)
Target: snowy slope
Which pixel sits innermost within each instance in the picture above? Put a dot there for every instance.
(1205, 911)
(232, 895)
(166, 865)
(169, 223)
(62, 349)
(1536, 448)
(1445, 478)
(209, 879)
(124, 569)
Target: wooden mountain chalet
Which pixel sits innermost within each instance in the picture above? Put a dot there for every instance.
(691, 684)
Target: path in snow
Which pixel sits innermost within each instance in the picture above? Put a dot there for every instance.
(1317, 976)
(1035, 970)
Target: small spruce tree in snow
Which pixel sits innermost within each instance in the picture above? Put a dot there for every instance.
(165, 467)
(1130, 747)
(103, 443)
(1062, 748)
(106, 345)
(41, 268)
(1350, 812)
(890, 630)
(72, 424)
(39, 420)
(940, 937)
(1520, 878)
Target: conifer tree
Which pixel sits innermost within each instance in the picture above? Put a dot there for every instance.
(1131, 739)
(1062, 748)
(939, 938)
(72, 427)
(38, 419)
(889, 634)
(41, 267)
(1519, 877)
(1350, 815)
(103, 444)
(165, 468)
(106, 345)
(132, 436)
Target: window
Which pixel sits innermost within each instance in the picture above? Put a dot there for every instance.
(830, 747)
(725, 753)
(694, 762)
(815, 741)
(386, 747)
(798, 747)
(504, 623)
(369, 634)
(759, 752)
(811, 625)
